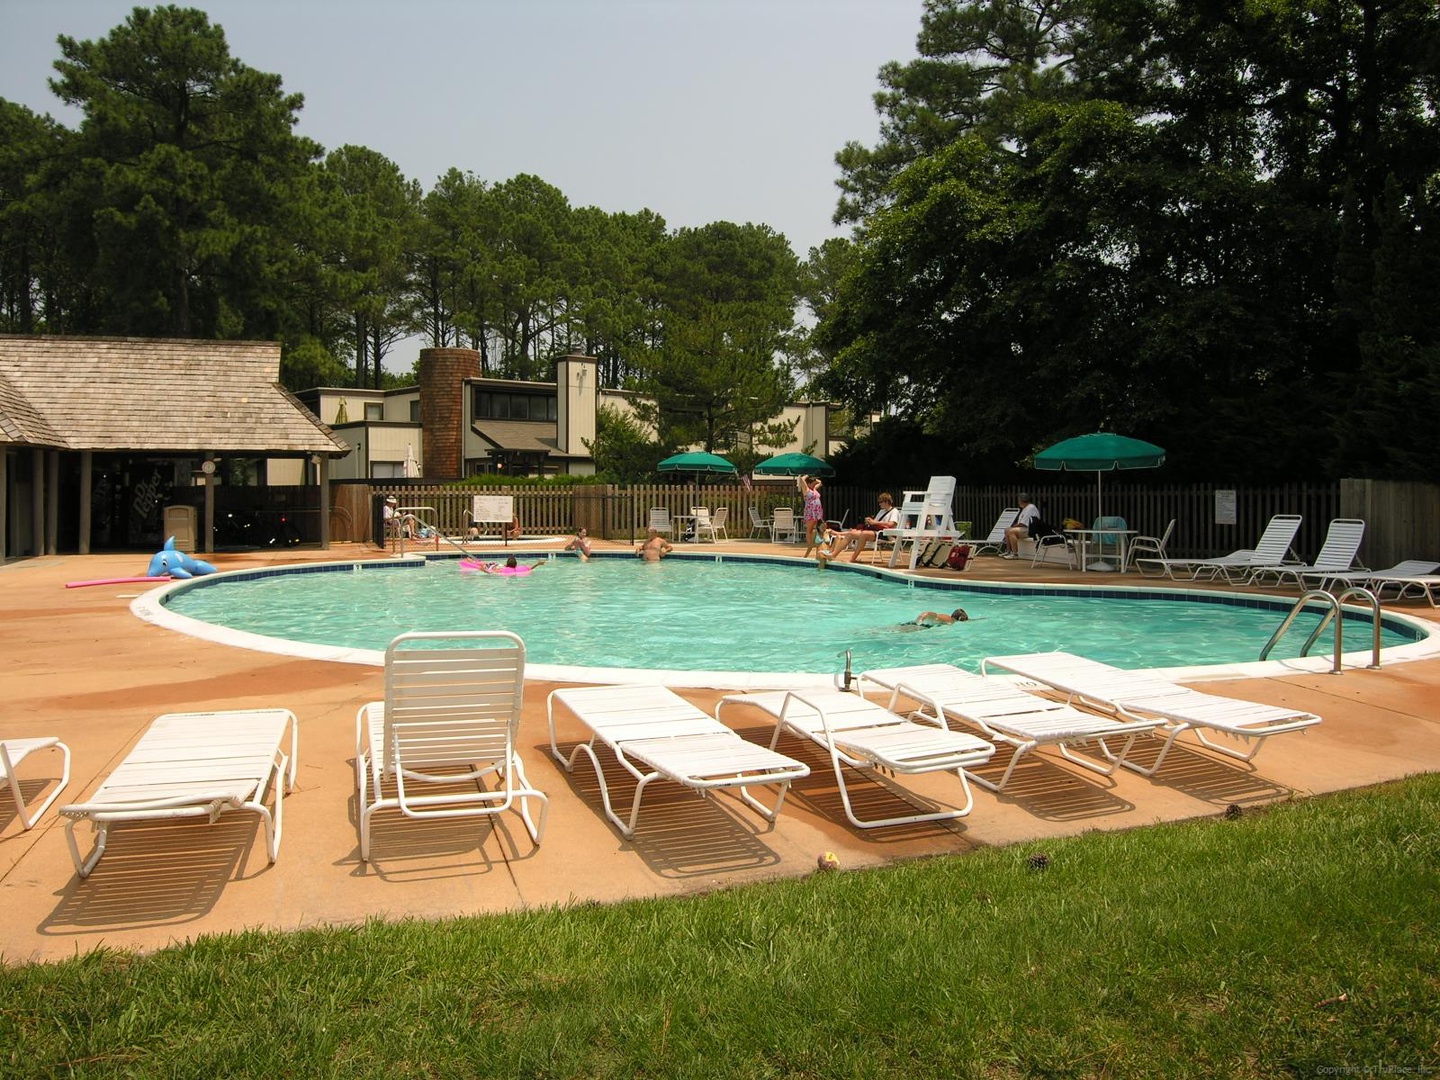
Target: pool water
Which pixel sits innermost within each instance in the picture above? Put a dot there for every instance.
(740, 615)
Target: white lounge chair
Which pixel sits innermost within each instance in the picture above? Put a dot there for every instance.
(1008, 714)
(450, 717)
(860, 734)
(996, 540)
(1272, 550)
(655, 734)
(12, 753)
(1141, 695)
(1337, 555)
(190, 765)
(1418, 577)
(660, 520)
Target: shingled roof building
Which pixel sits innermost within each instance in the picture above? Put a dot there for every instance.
(99, 435)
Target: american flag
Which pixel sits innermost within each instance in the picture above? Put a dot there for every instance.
(746, 481)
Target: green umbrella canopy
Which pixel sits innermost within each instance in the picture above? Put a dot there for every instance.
(1100, 452)
(793, 465)
(696, 461)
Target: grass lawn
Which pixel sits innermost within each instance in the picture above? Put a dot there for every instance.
(1299, 940)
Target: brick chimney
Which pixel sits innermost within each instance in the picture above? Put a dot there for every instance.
(442, 408)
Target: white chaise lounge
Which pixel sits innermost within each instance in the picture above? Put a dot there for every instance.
(1141, 695)
(860, 734)
(1337, 555)
(450, 719)
(1272, 550)
(1419, 576)
(1007, 714)
(655, 734)
(194, 765)
(995, 541)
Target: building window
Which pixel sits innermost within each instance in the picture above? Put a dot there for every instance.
(504, 405)
(415, 411)
(374, 410)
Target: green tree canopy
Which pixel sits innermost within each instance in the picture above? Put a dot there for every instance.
(1208, 225)
(717, 374)
(181, 188)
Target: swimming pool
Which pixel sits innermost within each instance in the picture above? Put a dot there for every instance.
(712, 617)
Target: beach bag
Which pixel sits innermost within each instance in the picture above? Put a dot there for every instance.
(959, 557)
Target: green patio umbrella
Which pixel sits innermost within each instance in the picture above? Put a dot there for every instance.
(1099, 453)
(696, 461)
(793, 465)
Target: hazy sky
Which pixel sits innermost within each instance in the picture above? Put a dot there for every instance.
(700, 110)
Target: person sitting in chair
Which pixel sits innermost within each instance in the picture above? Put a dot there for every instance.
(1027, 524)
(887, 517)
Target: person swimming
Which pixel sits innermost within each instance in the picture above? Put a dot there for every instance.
(928, 620)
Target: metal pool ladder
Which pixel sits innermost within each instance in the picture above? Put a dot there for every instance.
(1335, 610)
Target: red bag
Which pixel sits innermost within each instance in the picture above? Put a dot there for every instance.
(959, 556)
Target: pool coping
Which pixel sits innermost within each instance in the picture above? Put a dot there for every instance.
(150, 607)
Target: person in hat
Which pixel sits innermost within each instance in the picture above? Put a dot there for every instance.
(397, 524)
(1025, 525)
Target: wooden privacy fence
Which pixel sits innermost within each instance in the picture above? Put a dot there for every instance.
(1403, 520)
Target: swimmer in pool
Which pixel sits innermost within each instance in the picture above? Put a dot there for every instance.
(927, 620)
(511, 567)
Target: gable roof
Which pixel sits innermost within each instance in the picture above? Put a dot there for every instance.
(146, 394)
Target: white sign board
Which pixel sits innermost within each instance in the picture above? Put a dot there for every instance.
(1224, 507)
(493, 508)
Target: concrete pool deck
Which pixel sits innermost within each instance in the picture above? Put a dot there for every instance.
(81, 667)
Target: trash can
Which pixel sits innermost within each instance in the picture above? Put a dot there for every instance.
(180, 523)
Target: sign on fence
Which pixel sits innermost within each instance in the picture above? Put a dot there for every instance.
(1225, 507)
(492, 508)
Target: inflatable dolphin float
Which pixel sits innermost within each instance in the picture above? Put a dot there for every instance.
(176, 563)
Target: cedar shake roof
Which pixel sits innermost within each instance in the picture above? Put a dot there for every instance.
(154, 395)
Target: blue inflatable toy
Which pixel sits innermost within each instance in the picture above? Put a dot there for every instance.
(176, 563)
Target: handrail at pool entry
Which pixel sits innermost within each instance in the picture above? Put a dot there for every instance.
(1334, 607)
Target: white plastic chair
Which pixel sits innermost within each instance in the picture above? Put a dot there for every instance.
(1153, 544)
(714, 524)
(1050, 540)
(660, 520)
(449, 720)
(783, 524)
(760, 524)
